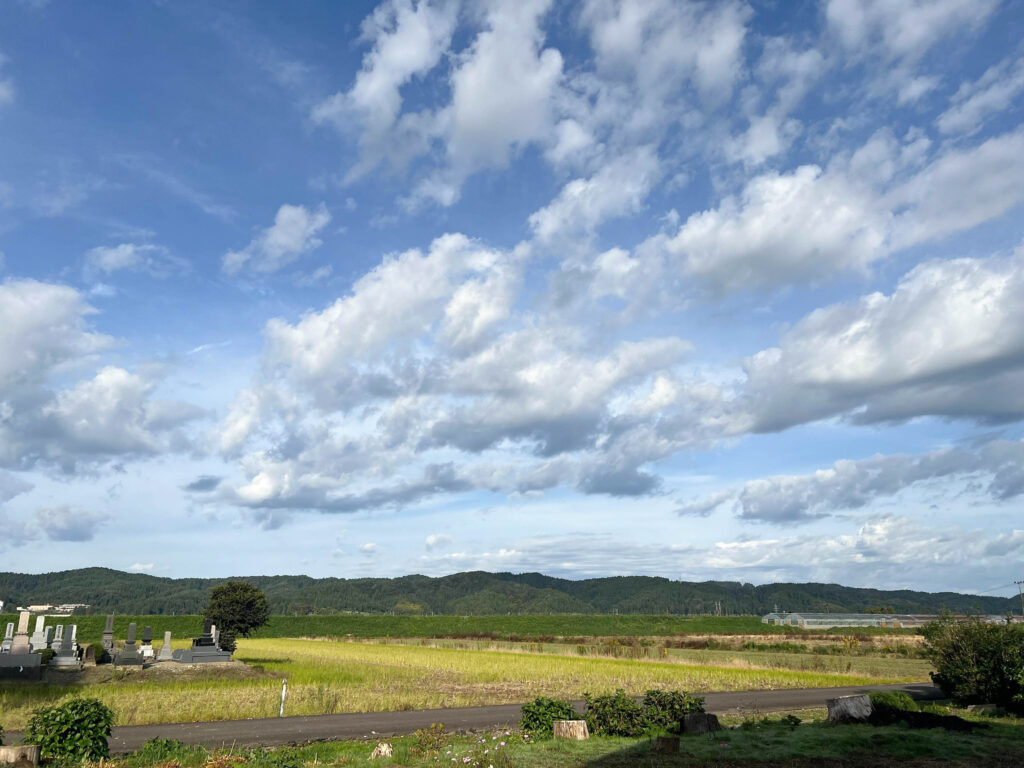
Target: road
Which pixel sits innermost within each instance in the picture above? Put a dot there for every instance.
(298, 730)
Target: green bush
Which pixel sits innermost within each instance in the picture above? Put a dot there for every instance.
(47, 654)
(978, 663)
(432, 738)
(615, 714)
(539, 715)
(76, 730)
(665, 709)
(891, 702)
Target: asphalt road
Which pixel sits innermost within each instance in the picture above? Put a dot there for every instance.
(299, 730)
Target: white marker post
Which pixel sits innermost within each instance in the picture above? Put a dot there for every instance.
(284, 693)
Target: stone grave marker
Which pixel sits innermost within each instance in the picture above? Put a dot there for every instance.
(38, 639)
(19, 663)
(129, 656)
(165, 650)
(5, 646)
(146, 649)
(108, 634)
(66, 654)
(204, 649)
(20, 643)
(48, 634)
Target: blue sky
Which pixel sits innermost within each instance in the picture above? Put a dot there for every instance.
(703, 290)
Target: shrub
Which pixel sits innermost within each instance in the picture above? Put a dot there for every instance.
(76, 730)
(1, 735)
(892, 702)
(615, 714)
(432, 738)
(978, 663)
(540, 714)
(666, 708)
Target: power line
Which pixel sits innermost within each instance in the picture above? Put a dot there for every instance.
(1021, 593)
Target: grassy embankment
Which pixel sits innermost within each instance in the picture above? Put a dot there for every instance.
(758, 744)
(329, 677)
(90, 628)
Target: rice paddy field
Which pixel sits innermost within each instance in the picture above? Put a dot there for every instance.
(330, 675)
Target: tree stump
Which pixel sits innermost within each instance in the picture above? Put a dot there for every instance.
(26, 756)
(849, 709)
(665, 745)
(571, 729)
(700, 723)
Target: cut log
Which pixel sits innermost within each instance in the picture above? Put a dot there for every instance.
(26, 756)
(666, 745)
(571, 729)
(849, 709)
(700, 723)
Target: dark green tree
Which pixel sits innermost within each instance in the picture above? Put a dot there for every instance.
(238, 609)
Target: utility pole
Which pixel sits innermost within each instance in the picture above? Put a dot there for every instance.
(1021, 593)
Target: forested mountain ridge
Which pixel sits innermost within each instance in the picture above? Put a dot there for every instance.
(477, 593)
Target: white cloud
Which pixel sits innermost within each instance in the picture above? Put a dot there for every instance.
(617, 189)
(992, 93)
(502, 97)
(437, 541)
(64, 523)
(141, 567)
(783, 228)
(854, 484)
(905, 28)
(151, 259)
(948, 341)
(293, 233)
(408, 41)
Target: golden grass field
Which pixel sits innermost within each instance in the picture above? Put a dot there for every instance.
(328, 676)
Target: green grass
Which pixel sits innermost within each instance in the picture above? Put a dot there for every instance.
(330, 677)
(758, 743)
(90, 628)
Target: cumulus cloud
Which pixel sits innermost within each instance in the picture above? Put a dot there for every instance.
(44, 337)
(294, 232)
(945, 342)
(141, 567)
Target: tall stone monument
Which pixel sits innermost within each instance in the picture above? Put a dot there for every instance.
(8, 640)
(165, 650)
(108, 634)
(204, 649)
(128, 656)
(38, 639)
(21, 644)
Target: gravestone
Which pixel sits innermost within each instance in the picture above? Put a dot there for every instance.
(165, 651)
(146, 649)
(5, 646)
(48, 636)
(89, 655)
(58, 637)
(128, 656)
(20, 643)
(204, 649)
(66, 655)
(19, 663)
(38, 639)
(108, 634)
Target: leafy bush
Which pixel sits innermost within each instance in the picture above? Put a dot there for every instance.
(76, 730)
(432, 738)
(47, 654)
(892, 702)
(666, 708)
(978, 663)
(540, 714)
(615, 714)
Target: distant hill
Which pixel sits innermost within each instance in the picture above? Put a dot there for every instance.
(477, 593)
